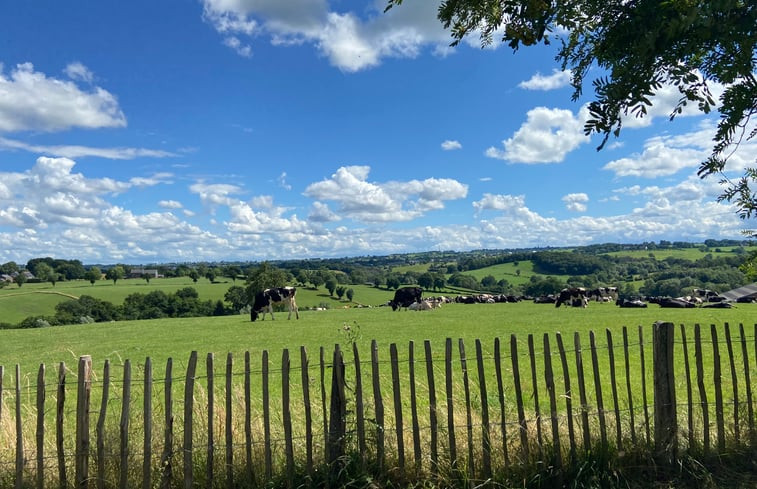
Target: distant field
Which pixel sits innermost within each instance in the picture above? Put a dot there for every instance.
(507, 271)
(18, 303)
(684, 253)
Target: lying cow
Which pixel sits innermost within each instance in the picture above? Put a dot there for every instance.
(405, 296)
(266, 299)
(630, 303)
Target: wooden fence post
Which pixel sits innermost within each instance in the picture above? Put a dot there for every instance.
(82, 421)
(41, 427)
(19, 433)
(189, 385)
(338, 413)
(59, 416)
(665, 421)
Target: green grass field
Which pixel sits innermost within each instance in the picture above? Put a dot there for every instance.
(176, 338)
(39, 299)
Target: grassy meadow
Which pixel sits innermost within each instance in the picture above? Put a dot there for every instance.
(176, 338)
(35, 299)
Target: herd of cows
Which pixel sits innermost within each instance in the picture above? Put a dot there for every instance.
(411, 298)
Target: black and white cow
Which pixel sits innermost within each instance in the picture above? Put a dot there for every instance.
(265, 300)
(573, 296)
(404, 296)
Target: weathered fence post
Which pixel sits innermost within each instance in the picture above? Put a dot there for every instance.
(338, 412)
(82, 421)
(665, 421)
(19, 433)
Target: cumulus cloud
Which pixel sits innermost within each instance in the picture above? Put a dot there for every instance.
(667, 155)
(54, 209)
(30, 101)
(664, 102)
(320, 212)
(450, 145)
(361, 200)
(576, 202)
(350, 40)
(557, 79)
(546, 137)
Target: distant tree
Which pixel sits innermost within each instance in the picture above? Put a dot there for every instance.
(147, 277)
(93, 275)
(331, 285)
(350, 294)
(488, 281)
(340, 291)
(20, 279)
(264, 277)
(115, 273)
(302, 276)
(392, 282)
(317, 280)
(9, 268)
(218, 309)
(426, 280)
(439, 281)
(194, 275)
(45, 273)
(232, 271)
(210, 274)
(237, 297)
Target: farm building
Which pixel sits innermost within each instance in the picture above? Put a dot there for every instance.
(747, 293)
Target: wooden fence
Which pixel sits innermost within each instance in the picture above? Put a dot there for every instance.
(535, 404)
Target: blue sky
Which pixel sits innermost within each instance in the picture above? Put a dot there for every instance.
(147, 132)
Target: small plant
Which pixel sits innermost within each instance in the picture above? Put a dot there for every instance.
(351, 332)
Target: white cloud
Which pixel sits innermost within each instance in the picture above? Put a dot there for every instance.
(392, 201)
(350, 40)
(667, 155)
(557, 79)
(77, 71)
(73, 151)
(30, 101)
(664, 102)
(576, 202)
(244, 50)
(450, 145)
(170, 204)
(546, 137)
(320, 212)
(282, 181)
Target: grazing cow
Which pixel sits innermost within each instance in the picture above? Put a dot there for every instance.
(265, 300)
(405, 296)
(630, 303)
(602, 293)
(573, 296)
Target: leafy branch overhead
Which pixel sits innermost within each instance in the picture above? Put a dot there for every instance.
(641, 46)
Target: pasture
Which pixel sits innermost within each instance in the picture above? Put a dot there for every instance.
(39, 299)
(163, 338)
(127, 344)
